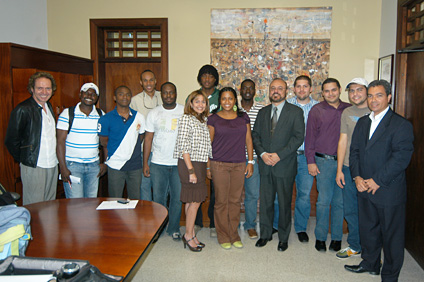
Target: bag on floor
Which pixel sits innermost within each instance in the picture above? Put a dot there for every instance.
(64, 270)
(15, 230)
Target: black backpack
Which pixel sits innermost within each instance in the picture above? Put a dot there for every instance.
(72, 115)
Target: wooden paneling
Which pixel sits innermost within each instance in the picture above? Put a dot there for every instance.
(18, 63)
(7, 177)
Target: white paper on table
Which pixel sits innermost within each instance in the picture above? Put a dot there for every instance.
(114, 205)
(27, 278)
(74, 179)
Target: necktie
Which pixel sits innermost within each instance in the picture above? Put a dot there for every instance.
(274, 120)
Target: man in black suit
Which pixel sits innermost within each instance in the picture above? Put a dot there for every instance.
(278, 131)
(382, 146)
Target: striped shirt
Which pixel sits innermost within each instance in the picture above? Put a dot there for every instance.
(82, 142)
(306, 109)
(253, 113)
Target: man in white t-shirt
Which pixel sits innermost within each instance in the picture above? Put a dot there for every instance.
(78, 145)
(161, 135)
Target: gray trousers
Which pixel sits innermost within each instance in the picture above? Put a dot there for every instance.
(38, 184)
(117, 180)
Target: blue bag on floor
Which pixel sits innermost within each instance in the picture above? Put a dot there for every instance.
(15, 230)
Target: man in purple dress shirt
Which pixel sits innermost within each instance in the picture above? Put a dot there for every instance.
(322, 136)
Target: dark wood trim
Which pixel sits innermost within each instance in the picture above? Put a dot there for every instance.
(409, 102)
(29, 57)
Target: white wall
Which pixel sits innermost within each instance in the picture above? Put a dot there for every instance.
(355, 32)
(24, 22)
(388, 27)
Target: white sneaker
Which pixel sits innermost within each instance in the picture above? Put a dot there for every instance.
(213, 232)
(346, 253)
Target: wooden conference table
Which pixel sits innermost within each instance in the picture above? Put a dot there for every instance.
(112, 240)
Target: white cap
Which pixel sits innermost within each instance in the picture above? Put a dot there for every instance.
(358, 80)
(90, 85)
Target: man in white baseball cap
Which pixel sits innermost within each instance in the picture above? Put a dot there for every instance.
(78, 145)
(357, 92)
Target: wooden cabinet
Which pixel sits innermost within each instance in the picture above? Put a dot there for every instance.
(17, 64)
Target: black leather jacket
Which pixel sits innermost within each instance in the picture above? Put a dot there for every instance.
(24, 132)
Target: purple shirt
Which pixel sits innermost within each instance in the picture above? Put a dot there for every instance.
(323, 130)
(229, 142)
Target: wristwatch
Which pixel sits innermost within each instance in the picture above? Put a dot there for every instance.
(251, 162)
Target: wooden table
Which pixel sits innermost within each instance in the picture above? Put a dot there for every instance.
(112, 240)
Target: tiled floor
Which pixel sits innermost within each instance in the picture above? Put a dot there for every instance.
(167, 260)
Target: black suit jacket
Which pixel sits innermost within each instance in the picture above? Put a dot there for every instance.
(288, 136)
(384, 157)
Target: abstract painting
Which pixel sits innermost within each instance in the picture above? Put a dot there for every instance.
(263, 44)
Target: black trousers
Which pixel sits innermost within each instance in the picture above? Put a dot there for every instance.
(382, 227)
(283, 186)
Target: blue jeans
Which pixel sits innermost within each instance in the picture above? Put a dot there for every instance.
(89, 181)
(304, 182)
(165, 179)
(251, 193)
(329, 194)
(276, 213)
(350, 207)
(146, 185)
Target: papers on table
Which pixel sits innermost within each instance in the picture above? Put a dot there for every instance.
(27, 278)
(114, 205)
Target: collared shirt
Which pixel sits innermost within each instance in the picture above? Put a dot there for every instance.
(253, 113)
(213, 100)
(143, 103)
(306, 109)
(193, 138)
(47, 155)
(82, 141)
(323, 130)
(375, 120)
(279, 109)
(124, 146)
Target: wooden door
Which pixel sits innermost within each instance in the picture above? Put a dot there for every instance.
(122, 49)
(415, 114)
(409, 102)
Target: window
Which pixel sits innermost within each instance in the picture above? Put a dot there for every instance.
(133, 43)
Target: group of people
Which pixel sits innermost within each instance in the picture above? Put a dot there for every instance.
(357, 151)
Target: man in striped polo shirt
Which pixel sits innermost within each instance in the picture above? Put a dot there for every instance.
(251, 184)
(78, 145)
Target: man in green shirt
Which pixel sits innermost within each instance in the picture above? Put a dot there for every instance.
(208, 79)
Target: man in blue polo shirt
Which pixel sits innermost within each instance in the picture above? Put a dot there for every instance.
(121, 133)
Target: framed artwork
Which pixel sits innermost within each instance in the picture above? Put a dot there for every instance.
(262, 44)
(385, 68)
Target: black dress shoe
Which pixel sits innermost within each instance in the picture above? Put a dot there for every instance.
(262, 242)
(335, 245)
(320, 246)
(360, 269)
(274, 231)
(282, 246)
(303, 237)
